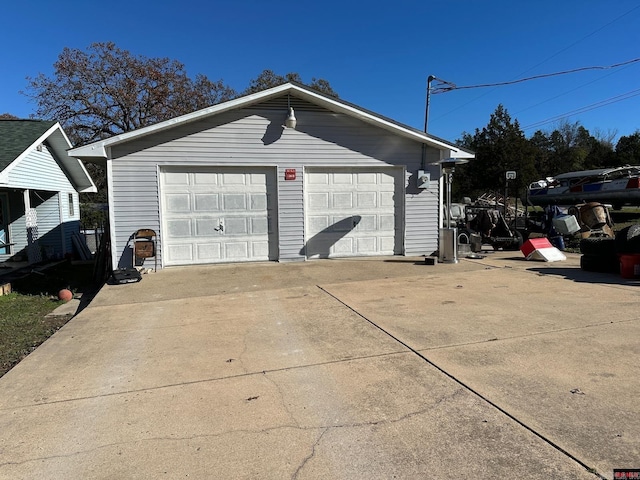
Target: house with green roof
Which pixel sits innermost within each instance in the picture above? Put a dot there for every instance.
(39, 191)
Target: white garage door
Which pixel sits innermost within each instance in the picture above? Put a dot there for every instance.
(353, 212)
(213, 215)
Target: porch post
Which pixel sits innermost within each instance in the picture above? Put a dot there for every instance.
(34, 255)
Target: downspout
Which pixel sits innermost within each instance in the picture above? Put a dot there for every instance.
(111, 219)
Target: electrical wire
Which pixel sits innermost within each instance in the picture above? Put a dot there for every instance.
(548, 58)
(593, 106)
(449, 86)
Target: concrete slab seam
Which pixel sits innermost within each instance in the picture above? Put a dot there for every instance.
(472, 390)
(207, 380)
(528, 335)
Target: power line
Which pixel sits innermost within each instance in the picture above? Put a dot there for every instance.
(552, 56)
(447, 87)
(565, 93)
(593, 106)
(583, 38)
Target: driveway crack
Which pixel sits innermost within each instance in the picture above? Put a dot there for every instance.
(469, 388)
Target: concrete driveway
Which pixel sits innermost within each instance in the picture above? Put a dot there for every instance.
(336, 369)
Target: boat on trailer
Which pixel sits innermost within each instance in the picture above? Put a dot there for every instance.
(616, 186)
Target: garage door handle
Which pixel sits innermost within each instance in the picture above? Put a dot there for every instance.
(219, 228)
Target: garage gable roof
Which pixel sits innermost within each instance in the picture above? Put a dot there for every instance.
(98, 150)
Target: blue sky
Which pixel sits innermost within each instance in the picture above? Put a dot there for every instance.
(375, 54)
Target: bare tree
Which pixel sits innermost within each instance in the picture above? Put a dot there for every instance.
(269, 79)
(106, 91)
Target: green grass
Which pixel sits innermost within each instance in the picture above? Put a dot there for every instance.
(23, 326)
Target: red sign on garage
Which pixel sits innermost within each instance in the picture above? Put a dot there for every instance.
(290, 174)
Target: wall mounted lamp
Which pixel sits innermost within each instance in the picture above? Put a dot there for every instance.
(290, 121)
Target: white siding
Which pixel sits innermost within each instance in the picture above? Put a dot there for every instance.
(50, 188)
(255, 136)
(49, 225)
(39, 171)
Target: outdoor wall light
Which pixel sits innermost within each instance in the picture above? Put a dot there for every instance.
(291, 121)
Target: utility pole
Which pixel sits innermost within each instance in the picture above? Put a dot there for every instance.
(430, 79)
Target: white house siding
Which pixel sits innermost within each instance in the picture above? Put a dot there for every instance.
(49, 225)
(49, 189)
(39, 171)
(255, 136)
(421, 214)
(70, 221)
(136, 203)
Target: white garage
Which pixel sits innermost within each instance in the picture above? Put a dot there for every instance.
(213, 215)
(239, 182)
(353, 212)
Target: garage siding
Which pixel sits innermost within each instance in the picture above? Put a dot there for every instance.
(255, 136)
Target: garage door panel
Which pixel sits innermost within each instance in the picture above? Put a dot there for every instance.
(344, 224)
(387, 199)
(218, 214)
(205, 227)
(205, 202)
(368, 223)
(387, 222)
(208, 252)
(205, 178)
(367, 245)
(234, 201)
(367, 179)
(353, 212)
(179, 228)
(180, 252)
(317, 223)
(235, 226)
(344, 246)
(342, 200)
(367, 199)
(342, 178)
(237, 250)
(387, 179)
(176, 178)
(259, 225)
(178, 203)
(258, 202)
(318, 179)
(386, 243)
(318, 201)
(233, 179)
(260, 249)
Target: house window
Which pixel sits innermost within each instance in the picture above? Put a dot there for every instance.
(71, 206)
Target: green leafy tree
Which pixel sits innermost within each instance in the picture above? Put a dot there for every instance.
(500, 146)
(570, 147)
(268, 79)
(570, 143)
(601, 155)
(628, 149)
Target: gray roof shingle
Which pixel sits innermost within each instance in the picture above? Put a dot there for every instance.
(18, 135)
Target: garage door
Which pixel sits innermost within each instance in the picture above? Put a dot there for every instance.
(216, 215)
(353, 212)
